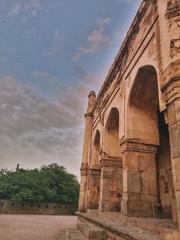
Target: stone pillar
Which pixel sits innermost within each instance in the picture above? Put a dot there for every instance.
(169, 20)
(94, 188)
(139, 179)
(111, 184)
(86, 152)
(171, 92)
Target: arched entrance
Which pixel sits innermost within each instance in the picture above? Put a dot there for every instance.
(147, 155)
(164, 170)
(111, 165)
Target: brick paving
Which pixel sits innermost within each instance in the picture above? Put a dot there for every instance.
(34, 227)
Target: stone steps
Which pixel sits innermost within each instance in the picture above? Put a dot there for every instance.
(95, 229)
(74, 234)
(92, 232)
(149, 224)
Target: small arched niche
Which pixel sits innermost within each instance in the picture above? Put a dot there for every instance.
(96, 149)
(111, 136)
(111, 187)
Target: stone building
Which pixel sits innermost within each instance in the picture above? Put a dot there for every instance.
(130, 172)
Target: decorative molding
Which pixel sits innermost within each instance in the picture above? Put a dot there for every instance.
(84, 169)
(173, 9)
(171, 79)
(175, 47)
(111, 162)
(136, 145)
(94, 172)
(172, 71)
(171, 90)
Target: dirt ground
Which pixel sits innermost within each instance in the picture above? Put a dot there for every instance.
(34, 227)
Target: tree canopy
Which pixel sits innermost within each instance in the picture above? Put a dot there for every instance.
(51, 183)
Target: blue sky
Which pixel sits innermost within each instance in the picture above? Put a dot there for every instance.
(52, 53)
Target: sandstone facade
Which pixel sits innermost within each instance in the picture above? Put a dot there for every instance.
(131, 154)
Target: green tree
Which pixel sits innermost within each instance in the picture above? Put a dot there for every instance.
(51, 183)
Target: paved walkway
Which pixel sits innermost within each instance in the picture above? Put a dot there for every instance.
(34, 227)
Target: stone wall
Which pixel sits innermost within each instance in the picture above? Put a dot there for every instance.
(11, 207)
(137, 117)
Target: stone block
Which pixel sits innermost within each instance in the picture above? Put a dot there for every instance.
(171, 114)
(175, 140)
(176, 171)
(170, 234)
(107, 173)
(131, 160)
(134, 181)
(139, 209)
(177, 110)
(174, 210)
(153, 187)
(98, 235)
(125, 180)
(144, 161)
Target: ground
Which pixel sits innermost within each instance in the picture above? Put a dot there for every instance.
(34, 227)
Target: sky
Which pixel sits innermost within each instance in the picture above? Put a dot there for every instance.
(52, 53)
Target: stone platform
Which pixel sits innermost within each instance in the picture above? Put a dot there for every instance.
(115, 226)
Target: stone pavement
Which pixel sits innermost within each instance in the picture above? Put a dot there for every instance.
(35, 227)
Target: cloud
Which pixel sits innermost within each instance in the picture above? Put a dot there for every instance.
(96, 40)
(30, 33)
(56, 45)
(30, 7)
(35, 131)
(15, 10)
(44, 75)
(85, 76)
(103, 21)
(74, 97)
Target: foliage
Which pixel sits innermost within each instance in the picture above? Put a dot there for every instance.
(51, 183)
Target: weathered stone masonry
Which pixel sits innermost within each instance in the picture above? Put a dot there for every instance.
(131, 156)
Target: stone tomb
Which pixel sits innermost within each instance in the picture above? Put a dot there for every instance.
(131, 154)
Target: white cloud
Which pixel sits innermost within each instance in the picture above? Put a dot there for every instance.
(44, 75)
(30, 7)
(103, 21)
(86, 77)
(96, 40)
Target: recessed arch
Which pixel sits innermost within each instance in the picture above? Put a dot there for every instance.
(95, 172)
(145, 87)
(112, 120)
(146, 123)
(111, 133)
(96, 149)
(111, 188)
(142, 106)
(97, 140)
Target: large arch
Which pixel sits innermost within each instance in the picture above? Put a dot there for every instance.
(142, 106)
(150, 148)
